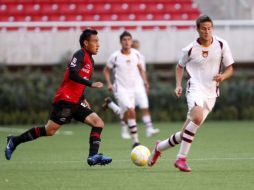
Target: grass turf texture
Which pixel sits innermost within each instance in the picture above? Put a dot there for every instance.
(222, 157)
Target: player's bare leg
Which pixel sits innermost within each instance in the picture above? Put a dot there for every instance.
(13, 141)
(188, 134)
(95, 139)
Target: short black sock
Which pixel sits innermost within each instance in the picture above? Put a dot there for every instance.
(95, 140)
(30, 135)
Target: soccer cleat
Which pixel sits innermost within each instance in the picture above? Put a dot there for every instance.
(182, 165)
(151, 132)
(154, 156)
(107, 100)
(9, 149)
(135, 144)
(125, 133)
(98, 159)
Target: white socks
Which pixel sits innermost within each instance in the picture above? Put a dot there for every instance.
(133, 130)
(147, 121)
(174, 139)
(188, 136)
(114, 107)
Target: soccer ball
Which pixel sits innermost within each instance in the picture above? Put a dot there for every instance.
(140, 155)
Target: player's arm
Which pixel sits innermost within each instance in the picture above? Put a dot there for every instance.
(85, 102)
(144, 77)
(74, 68)
(229, 71)
(106, 73)
(179, 78)
(228, 64)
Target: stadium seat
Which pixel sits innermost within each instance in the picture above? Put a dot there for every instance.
(97, 10)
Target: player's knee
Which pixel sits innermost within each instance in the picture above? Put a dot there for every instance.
(197, 119)
(51, 132)
(132, 113)
(197, 115)
(98, 123)
(51, 129)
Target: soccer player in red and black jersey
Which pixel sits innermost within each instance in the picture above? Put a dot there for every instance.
(68, 102)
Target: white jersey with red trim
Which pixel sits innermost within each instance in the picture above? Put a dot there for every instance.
(203, 63)
(125, 68)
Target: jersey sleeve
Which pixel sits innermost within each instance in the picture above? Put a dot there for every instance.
(138, 55)
(111, 61)
(143, 61)
(183, 58)
(74, 68)
(76, 61)
(227, 55)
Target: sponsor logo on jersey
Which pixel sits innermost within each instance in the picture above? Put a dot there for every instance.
(87, 66)
(73, 62)
(85, 70)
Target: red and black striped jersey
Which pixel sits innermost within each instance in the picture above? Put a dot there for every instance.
(76, 78)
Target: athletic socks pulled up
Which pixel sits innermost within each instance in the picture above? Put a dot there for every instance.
(172, 141)
(188, 136)
(133, 130)
(114, 107)
(147, 121)
(94, 140)
(29, 135)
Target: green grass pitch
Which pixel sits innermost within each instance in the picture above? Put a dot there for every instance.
(221, 157)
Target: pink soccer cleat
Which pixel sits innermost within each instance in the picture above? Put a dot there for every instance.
(182, 165)
(154, 156)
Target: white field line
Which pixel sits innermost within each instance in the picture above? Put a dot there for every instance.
(20, 130)
(126, 160)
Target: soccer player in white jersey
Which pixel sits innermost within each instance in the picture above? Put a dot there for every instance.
(203, 60)
(125, 64)
(141, 100)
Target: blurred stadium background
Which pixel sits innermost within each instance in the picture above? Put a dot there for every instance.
(38, 37)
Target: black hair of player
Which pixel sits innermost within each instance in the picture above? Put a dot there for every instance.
(125, 33)
(202, 19)
(86, 34)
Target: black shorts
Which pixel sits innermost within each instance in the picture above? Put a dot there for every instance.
(63, 112)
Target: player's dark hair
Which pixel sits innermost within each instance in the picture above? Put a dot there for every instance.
(86, 34)
(125, 33)
(203, 18)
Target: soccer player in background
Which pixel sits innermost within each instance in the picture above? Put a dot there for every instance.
(203, 60)
(125, 64)
(68, 102)
(141, 100)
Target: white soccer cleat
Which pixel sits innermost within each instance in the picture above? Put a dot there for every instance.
(151, 132)
(125, 133)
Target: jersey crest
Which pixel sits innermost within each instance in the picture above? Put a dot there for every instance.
(205, 54)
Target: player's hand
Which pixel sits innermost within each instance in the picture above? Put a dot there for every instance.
(110, 87)
(147, 86)
(97, 85)
(178, 91)
(218, 78)
(86, 103)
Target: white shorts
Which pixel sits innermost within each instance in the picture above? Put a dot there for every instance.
(195, 99)
(125, 99)
(141, 99)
